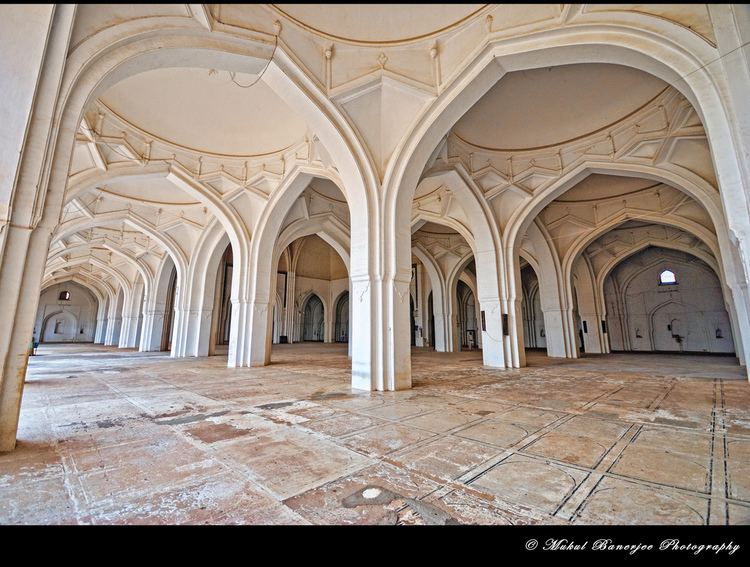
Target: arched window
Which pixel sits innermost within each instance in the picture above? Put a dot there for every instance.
(64, 296)
(667, 277)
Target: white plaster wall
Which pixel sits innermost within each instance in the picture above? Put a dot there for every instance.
(425, 289)
(23, 34)
(328, 291)
(695, 307)
(533, 316)
(75, 314)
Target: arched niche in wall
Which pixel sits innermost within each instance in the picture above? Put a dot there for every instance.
(534, 333)
(688, 315)
(467, 317)
(342, 318)
(66, 320)
(61, 326)
(310, 264)
(168, 326)
(313, 319)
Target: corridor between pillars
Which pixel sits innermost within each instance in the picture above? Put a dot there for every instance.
(423, 176)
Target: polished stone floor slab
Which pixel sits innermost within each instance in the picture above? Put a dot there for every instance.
(111, 436)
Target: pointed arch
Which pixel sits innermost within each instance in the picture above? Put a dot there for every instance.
(486, 244)
(328, 227)
(441, 338)
(133, 220)
(678, 59)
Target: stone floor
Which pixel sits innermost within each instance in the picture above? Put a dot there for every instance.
(112, 436)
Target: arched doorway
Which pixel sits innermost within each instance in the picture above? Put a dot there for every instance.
(467, 317)
(534, 334)
(668, 326)
(413, 325)
(580, 325)
(61, 326)
(166, 330)
(342, 318)
(223, 303)
(431, 320)
(667, 300)
(218, 287)
(313, 325)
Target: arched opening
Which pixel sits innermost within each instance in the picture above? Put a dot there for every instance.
(168, 327)
(596, 223)
(467, 317)
(115, 317)
(534, 333)
(445, 284)
(430, 322)
(310, 275)
(342, 318)
(520, 178)
(388, 96)
(313, 319)
(413, 323)
(67, 313)
(647, 315)
(581, 326)
(59, 327)
(667, 277)
(103, 321)
(221, 317)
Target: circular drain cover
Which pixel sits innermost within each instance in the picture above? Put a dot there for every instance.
(371, 493)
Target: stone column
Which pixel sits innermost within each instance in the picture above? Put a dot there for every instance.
(592, 337)
(34, 42)
(199, 321)
(478, 316)
(290, 311)
(421, 306)
(554, 331)
(180, 316)
(493, 341)
(112, 338)
(24, 261)
(381, 353)
(328, 318)
(515, 329)
(529, 326)
(349, 322)
(453, 343)
(250, 335)
(101, 329)
(153, 325)
(731, 24)
(130, 315)
(101, 322)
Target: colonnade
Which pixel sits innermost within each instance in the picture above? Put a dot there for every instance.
(383, 198)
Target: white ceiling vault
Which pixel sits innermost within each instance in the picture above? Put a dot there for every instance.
(162, 156)
(206, 111)
(576, 100)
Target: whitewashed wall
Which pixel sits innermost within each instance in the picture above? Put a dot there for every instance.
(639, 309)
(61, 320)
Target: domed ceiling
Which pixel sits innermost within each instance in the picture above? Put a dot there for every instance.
(437, 228)
(204, 110)
(378, 23)
(154, 192)
(550, 105)
(598, 186)
(327, 189)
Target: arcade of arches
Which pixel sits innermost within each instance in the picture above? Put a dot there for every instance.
(492, 259)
